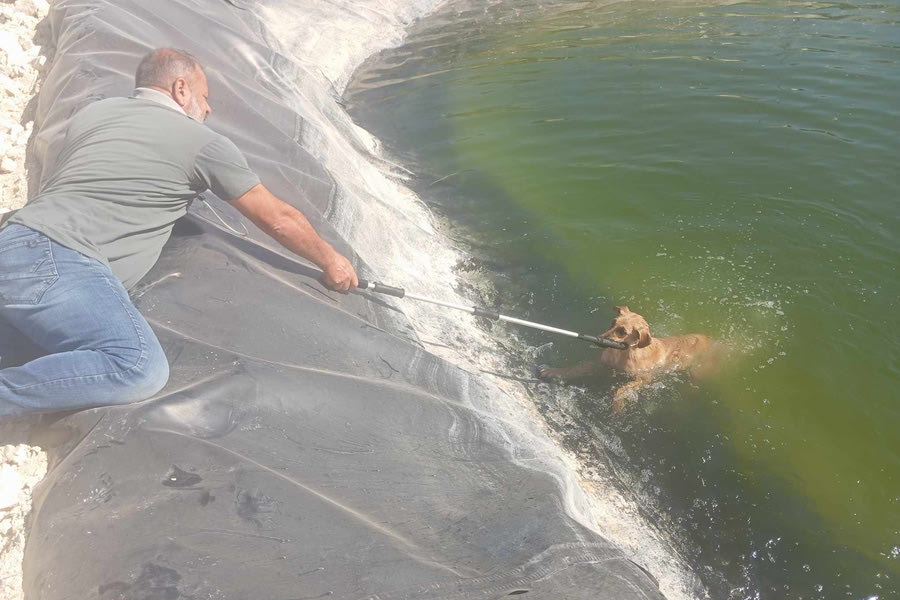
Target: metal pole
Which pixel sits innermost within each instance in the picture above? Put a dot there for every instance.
(488, 313)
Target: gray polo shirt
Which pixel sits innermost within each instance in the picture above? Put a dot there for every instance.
(128, 169)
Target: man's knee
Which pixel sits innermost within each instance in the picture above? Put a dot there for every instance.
(156, 376)
(152, 377)
(144, 379)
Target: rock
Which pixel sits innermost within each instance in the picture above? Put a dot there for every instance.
(36, 8)
(9, 87)
(21, 467)
(7, 165)
(9, 44)
(10, 484)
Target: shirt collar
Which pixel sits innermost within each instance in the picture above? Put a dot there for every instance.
(156, 96)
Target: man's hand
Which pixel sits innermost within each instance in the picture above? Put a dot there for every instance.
(287, 225)
(339, 274)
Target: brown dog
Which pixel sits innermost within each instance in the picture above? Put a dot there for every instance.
(645, 355)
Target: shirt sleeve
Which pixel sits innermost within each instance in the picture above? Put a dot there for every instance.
(224, 170)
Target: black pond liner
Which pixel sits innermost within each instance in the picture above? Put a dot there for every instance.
(306, 445)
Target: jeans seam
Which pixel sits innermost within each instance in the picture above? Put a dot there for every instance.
(134, 324)
(46, 281)
(137, 363)
(21, 241)
(55, 276)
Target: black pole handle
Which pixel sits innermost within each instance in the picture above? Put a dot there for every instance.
(603, 342)
(487, 313)
(374, 286)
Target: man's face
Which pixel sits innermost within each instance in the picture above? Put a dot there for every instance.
(197, 106)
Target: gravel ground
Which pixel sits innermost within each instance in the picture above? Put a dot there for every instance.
(21, 63)
(21, 468)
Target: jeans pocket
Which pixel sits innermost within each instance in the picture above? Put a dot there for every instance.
(27, 268)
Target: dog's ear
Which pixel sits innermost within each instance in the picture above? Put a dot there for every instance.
(622, 310)
(645, 337)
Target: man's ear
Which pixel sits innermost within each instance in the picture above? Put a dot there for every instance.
(180, 91)
(622, 309)
(645, 337)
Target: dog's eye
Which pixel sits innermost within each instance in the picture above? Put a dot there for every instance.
(620, 331)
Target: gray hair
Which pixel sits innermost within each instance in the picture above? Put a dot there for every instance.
(161, 67)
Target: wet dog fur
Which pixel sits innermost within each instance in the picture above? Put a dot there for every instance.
(646, 355)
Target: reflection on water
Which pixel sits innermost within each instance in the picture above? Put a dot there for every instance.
(721, 169)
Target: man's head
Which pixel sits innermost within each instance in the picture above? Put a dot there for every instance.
(179, 75)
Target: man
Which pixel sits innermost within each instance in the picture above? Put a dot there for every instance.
(127, 171)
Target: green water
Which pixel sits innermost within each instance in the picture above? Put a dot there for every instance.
(731, 170)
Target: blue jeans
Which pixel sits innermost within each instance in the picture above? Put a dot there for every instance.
(71, 319)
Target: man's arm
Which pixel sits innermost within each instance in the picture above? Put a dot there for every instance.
(287, 225)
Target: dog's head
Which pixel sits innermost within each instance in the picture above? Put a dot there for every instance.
(629, 327)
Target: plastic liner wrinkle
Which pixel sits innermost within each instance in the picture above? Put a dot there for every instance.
(235, 533)
(383, 382)
(276, 259)
(401, 386)
(541, 567)
(320, 293)
(168, 394)
(408, 546)
(143, 289)
(60, 461)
